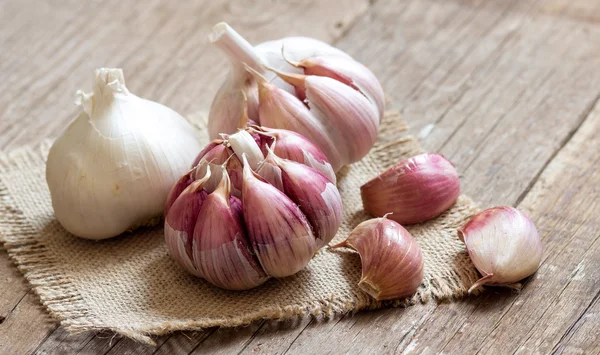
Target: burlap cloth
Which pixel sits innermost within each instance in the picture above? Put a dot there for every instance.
(130, 285)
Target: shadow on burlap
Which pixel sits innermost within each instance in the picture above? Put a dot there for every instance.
(130, 285)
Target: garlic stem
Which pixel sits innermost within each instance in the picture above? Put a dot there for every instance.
(107, 82)
(237, 49)
(482, 281)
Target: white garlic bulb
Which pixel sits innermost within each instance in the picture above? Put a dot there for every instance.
(111, 169)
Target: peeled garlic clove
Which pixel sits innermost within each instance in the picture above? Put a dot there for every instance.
(293, 146)
(503, 244)
(221, 250)
(317, 197)
(415, 190)
(392, 264)
(180, 222)
(279, 232)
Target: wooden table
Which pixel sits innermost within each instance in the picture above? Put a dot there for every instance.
(508, 90)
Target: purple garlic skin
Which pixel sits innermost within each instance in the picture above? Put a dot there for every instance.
(270, 225)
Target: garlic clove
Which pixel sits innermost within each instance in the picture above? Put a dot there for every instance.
(342, 108)
(317, 197)
(214, 156)
(185, 181)
(347, 71)
(279, 232)
(347, 111)
(415, 190)
(503, 244)
(220, 248)
(180, 222)
(279, 108)
(269, 171)
(293, 146)
(215, 144)
(392, 264)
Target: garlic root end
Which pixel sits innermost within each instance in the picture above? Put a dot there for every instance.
(369, 288)
(482, 281)
(343, 244)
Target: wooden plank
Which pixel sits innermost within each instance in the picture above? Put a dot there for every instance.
(25, 327)
(583, 335)
(61, 342)
(159, 44)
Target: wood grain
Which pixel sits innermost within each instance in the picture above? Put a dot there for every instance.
(506, 89)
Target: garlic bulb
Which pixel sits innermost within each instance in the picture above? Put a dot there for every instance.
(303, 85)
(392, 264)
(266, 230)
(503, 244)
(414, 190)
(111, 169)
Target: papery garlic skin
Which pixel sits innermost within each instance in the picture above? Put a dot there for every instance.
(503, 244)
(338, 105)
(111, 169)
(392, 263)
(415, 190)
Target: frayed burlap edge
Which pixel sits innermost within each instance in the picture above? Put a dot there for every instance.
(64, 302)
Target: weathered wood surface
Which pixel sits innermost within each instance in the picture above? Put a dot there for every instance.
(507, 89)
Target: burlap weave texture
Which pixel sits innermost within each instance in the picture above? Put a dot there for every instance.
(130, 285)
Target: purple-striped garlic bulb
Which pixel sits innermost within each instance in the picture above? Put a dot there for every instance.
(284, 211)
(300, 84)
